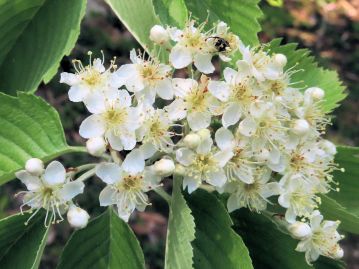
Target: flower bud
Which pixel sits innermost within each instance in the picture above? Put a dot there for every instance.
(164, 167)
(77, 217)
(96, 146)
(192, 140)
(34, 166)
(300, 127)
(280, 59)
(329, 147)
(315, 92)
(299, 229)
(159, 35)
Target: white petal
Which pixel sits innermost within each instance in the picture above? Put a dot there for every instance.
(180, 57)
(231, 115)
(203, 63)
(290, 215)
(114, 141)
(198, 120)
(95, 102)
(70, 190)
(270, 189)
(224, 139)
(135, 83)
(55, 173)
(185, 156)
(243, 68)
(134, 162)
(98, 65)
(109, 173)
(32, 183)
(230, 75)
(148, 150)
(183, 86)
(247, 127)
(191, 184)
(107, 196)
(124, 98)
(217, 178)
(205, 145)
(222, 157)
(219, 89)
(119, 78)
(284, 200)
(232, 203)
(176, 110)
(78, 93)
(92, 126)
(164, 89)
(128, 140)
(69, 78)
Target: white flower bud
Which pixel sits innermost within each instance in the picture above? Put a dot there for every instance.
(339, 253)
(300, 127)
(192, 140)
(315, 92)
(77, 217)
(159, 35)
(263, 155)
(329, 147)
(299, 229)
(164, 167)
(204, 133)
(34, 166)
(96, 146)
(280, 59)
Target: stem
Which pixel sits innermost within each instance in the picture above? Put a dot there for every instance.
(161, 192)
(84, 167)
(87, 174)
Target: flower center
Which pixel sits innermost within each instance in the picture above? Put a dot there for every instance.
(115, 117)
(92, 77)
(132, 183)
(196, 100)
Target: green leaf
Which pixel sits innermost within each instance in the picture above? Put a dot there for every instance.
(171, 12)
(35, 36)
(21, 246)
(269, 247)
(343, 205)
(311, 75)
(216, 244)
(180, 231)
(138, 16)
(241, 15)
(106, 243)
(29, 128)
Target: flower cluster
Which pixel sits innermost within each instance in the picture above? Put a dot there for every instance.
(253, 134)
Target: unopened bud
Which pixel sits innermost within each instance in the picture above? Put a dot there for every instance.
(300, 127)
(96, 146)
(164, 167)
(299, 229)
(34, 166)
(192, 140)
(315, 92)
(159, 35)
(329, 147)
(280, 59)
(77, 217)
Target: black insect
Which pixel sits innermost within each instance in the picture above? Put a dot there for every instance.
(220, 43)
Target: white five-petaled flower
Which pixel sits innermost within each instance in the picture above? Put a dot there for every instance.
(203, 164)
(191, 46)
(146, 78)
(51, 190)
(254, 195)
(89, 81)
(127, 184)
(114, 119)
(193, 102)
(323, 239)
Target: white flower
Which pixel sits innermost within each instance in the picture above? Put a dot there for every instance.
(205, 163)
(126, 186)
(77, 217)
(254, 195)
(240, 166)
(194, 102)
(34, 166)
(145, 78)
(191, 46)
(88, 81)
(159, 35)
(298, 197)
(51, 190)
(323, 239)
(299, 229)
(115, 119)
(261, 65)
(237, 92)
(155, 130)
(96, 146)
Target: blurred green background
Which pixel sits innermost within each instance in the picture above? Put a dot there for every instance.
(329, 28)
